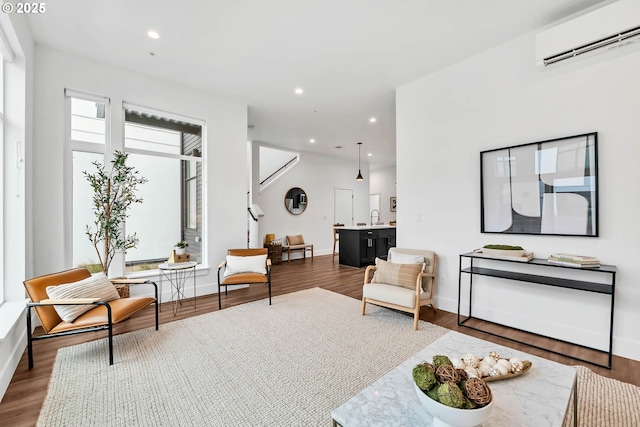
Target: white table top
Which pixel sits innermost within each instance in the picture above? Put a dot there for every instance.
(177, 265)
(540, 397)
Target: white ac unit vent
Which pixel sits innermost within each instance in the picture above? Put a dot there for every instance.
(612, 25)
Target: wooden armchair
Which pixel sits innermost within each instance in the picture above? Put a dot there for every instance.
(244, 266)
(405, 282)
(296, 243)
(98, 313)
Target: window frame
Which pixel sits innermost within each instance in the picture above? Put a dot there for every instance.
(181, 157)
(2, 105)
(85, 147)
(115, 140)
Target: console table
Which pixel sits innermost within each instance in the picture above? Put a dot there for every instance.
(549, 278)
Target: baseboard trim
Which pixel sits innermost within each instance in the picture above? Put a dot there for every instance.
(11, 348)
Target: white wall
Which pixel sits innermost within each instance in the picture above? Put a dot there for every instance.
(317, 175)
(383, 182)
(499, 98)
(225, 151)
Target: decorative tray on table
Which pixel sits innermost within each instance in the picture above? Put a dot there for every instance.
(492, 367)
(526, 365)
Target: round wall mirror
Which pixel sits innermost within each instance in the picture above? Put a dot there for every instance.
(295, 201)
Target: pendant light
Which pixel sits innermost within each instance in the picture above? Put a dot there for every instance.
(359, 177)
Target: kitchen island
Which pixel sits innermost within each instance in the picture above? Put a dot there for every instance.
(360, 245)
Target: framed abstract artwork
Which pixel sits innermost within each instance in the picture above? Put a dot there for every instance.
(547, 187)
(392, 203)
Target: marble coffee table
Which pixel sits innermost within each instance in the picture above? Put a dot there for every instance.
(540, 397)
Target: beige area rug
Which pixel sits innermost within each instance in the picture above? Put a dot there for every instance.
(605, 402)
(287, 364)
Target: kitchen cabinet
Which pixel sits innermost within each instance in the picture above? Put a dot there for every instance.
(359, 246)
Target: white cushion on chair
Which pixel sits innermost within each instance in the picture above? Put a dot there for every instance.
(246, 264)
(402, 258)
(96, 286)
(388, 293)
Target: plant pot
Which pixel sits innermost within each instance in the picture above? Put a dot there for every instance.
(180, 251)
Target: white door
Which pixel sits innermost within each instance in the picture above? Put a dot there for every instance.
(343, 211)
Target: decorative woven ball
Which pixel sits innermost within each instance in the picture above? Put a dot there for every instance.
(477, 391)
(463, 374)
(447, 374)
(431, 366)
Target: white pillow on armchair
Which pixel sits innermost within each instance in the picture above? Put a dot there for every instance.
(246, 264)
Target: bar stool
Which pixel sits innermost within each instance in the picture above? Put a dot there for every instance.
(336, 237)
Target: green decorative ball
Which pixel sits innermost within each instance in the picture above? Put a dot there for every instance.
(424, 377)
(450, 394)
(441, 360)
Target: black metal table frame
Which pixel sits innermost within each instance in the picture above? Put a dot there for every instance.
(602, 288)
(178, 277)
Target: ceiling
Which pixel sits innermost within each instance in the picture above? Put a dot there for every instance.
(347, 55)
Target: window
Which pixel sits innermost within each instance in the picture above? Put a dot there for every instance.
(192, 202)
(88, 127)
(167, 151)
(2, 175)
(13, 117)
(88, 122)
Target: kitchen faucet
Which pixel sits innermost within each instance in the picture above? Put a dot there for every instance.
(378, 216)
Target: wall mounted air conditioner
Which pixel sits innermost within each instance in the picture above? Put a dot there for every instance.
(613, 25)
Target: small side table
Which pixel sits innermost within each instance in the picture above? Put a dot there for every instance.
(274, 253)
(178, 274)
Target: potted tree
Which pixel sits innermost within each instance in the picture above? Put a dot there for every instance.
(114, 192)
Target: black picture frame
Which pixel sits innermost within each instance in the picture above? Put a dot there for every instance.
(547, 187)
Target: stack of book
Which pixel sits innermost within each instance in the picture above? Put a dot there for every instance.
(572, 260)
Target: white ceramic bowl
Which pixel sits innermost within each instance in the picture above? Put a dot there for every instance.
(446, 416)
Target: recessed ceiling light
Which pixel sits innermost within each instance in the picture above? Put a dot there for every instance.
(153, 34)
(312, 140)
(372, 120)
(370, 154)
(299, 91)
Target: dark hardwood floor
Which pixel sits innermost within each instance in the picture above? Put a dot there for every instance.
(23, 399)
